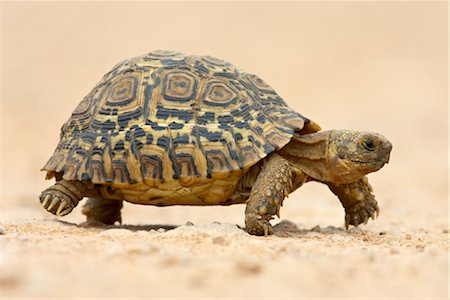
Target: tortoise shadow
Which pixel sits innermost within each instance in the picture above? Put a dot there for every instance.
(98, 225)
(284, 229)
(140, 227)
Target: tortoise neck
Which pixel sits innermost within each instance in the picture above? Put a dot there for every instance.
(309, 154)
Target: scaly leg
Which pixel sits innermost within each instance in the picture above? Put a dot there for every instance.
(358, 201)
(104, 211)
(61, 198)
(273, 183)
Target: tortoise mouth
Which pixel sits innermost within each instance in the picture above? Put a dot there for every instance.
(371, 164)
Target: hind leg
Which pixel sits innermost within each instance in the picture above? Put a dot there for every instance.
(62, 197)
(104, 211)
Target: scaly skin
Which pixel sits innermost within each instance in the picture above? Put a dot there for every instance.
(358, 201)
(103, 210)
(273, 183)
(62, 197)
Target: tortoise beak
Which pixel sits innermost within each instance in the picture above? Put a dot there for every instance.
(387, 148)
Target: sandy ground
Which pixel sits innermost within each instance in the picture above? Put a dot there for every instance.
(367, 66)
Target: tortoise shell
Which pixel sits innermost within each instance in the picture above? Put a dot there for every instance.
(168, 116)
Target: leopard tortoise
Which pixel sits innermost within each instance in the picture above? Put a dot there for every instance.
(166, 128)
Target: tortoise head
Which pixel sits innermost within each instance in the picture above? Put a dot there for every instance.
(353, 154)
(338, 156)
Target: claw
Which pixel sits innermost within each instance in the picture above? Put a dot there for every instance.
(371, 212)
(47, 198)
(266, 230)
(277, 213)
(61, 207)
(65, 211)
(55, 201)
(364, 217)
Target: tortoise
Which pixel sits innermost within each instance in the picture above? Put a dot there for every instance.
(167, 128)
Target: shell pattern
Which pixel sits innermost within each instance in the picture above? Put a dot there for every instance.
(168, 116)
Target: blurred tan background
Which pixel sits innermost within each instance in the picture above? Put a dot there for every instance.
(379, 66)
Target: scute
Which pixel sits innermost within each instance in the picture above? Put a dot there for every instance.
(168, 116)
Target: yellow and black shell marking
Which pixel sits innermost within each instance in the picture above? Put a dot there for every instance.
(167, 116)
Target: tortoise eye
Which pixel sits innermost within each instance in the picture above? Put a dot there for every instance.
(368, 144)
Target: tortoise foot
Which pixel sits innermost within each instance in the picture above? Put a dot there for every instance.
(358, 201)
(360, 212)
(61, 198)
(103, 211)
(56, 202)
(258, 225)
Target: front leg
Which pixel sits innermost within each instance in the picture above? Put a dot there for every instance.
(358, 201)
(273, 183)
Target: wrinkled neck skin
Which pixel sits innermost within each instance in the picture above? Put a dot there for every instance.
(316, 155)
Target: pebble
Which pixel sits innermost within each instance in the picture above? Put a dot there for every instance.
(285, 227)
(333, 229)
(2, 230)
(161, 230)
(220, 240)
(249, 268)
(316, 228)
(420, 247)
